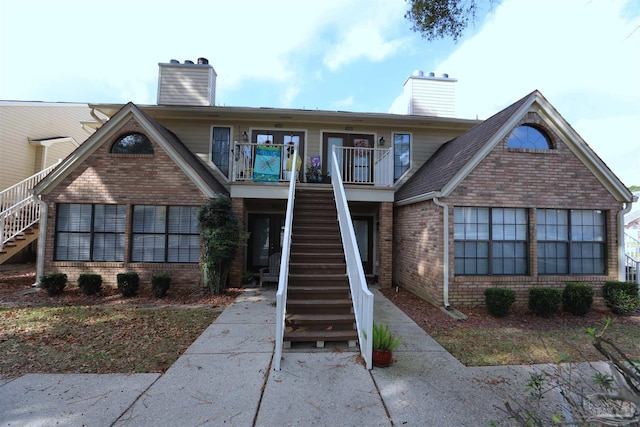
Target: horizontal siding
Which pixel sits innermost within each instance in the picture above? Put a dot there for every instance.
(433, 97)
(196, 136)
(19, 122)
(186, 86)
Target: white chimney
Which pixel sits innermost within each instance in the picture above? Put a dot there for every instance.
(187, 84)
(430, 95)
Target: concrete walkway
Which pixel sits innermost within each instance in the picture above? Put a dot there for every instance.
(225, 378)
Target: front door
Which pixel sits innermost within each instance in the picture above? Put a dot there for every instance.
(355, 165)
(265, 238)
(363, 228)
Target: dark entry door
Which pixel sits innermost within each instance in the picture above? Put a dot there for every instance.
(363, 227)
(354, 165)
(265, 238)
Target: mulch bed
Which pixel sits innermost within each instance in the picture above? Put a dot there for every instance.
(16, 290)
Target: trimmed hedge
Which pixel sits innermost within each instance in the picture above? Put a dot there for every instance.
(621, 297)
(544, 302)
(128, 283)
(90, 284)
(499, 301)
(54, 283)
(160, 285)
(577, 298)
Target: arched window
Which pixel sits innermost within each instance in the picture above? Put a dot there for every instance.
(526, 136)
(132, 143)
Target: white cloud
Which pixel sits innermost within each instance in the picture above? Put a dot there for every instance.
(581, 55)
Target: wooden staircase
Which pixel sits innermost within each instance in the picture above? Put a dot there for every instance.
(319, 306)
(18, 243)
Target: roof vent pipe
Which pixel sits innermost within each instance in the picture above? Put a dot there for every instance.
(203, 61)
(174, 61)
(188, 61)
(445, 76)
(432, 74)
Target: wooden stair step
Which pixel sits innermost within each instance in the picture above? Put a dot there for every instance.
(319, 335)
(338, 302)
(321, 318)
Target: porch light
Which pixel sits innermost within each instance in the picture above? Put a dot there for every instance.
(245, 137)
(381, 141)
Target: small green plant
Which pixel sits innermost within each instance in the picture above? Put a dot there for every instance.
(160, 285)
(128, 283)
(544, 302)
(621, 297)
(90, 284)
(383, 338)
(577, 298)
(499, 300)
(54, 283)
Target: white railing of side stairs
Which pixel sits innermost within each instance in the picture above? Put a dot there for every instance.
(631, 246)
(632, 268)
(18, 210)
(283, 280)
(361, 296)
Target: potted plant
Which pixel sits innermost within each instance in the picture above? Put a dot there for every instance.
(384, 342)
(314, 173)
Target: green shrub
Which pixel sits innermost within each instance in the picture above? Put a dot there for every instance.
(499, 300)
(54, 283)
(90, 284)
(128, 283)
(160, 285)
(544, 302)
(621, 297)
(577, 298)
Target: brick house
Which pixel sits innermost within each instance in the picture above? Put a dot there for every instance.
(442, 206)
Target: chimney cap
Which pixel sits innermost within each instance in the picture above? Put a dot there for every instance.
(174, 61)
(418, 73)
(203, 61)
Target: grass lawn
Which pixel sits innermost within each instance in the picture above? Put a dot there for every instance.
(85, 339)
(516, 346)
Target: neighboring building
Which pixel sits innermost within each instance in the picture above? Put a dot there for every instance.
(444, 207)
(35, 135)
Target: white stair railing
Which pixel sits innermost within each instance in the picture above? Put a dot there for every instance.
(365, 165)
(360, 295)
(18, 210)
(283, 281)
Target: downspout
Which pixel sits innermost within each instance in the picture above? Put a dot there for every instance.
(621, 250)
(445, 270)
(44, 210)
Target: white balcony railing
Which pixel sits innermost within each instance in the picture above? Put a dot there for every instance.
(367, 166)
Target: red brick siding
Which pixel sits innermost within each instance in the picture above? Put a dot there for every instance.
(385, 245)
(237, 265)
(130, 180)
(505, 178)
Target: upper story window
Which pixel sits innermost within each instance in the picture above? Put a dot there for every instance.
(528, 137)
(132, 143)
(401, 154)
(220, 146)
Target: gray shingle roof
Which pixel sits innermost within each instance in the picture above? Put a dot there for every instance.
(453, 155)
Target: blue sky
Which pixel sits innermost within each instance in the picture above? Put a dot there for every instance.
(583, 55)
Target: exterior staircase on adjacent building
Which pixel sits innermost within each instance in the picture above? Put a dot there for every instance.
(17, 243)
(319, 306)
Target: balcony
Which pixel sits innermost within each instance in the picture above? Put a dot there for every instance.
(268, 163)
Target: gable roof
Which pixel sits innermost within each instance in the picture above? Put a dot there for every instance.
(455, 159)
(190, 164)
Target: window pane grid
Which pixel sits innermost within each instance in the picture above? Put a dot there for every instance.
(86, 232)
(401, 154)
(165, 234)
(491, 241)
(571, 242)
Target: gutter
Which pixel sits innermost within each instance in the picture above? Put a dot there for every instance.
(621, 251)
(44, 210)
(445, 270)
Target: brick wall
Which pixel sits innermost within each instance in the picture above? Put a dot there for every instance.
(505, 178)
(237, 265)
(385, 245)
(151, 179)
